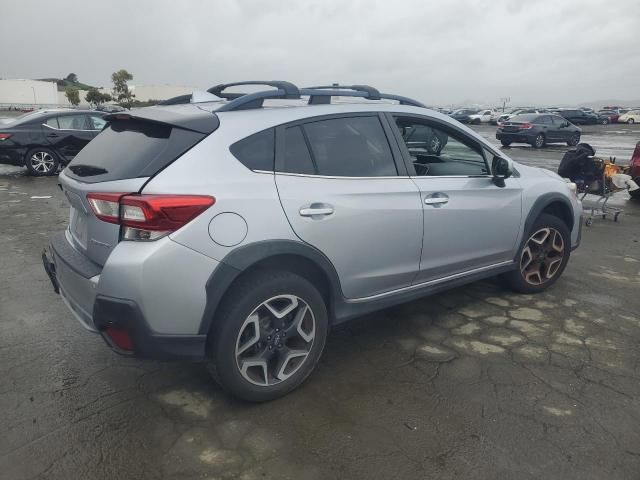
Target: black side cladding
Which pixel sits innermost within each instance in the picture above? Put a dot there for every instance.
(141, 143)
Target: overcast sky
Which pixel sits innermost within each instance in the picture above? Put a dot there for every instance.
(440, 52)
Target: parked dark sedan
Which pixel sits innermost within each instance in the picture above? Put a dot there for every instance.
(580, 117)
(538, 130)
(44, 140)
(462, 114)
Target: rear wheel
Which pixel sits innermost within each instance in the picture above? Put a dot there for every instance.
(41, 162)
(543, 257)
(270, 333)
(604, 121)
(630, 121)
(574, 140)
(539, 141)
(505, 143)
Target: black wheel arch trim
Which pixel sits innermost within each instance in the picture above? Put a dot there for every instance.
(542, 202)
(243, 258)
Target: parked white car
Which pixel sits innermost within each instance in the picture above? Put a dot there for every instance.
(483, 116)
(630, 117)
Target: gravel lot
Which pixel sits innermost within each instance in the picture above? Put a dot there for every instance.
(473, 383)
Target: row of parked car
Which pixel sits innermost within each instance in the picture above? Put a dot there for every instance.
(577, 116)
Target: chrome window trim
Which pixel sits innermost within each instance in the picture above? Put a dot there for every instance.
(68, 129)
(371, 178)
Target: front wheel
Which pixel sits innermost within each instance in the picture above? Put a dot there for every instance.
(604, 121)
(268, 336)
(41, 162)
(574, 140)
(505, 143)
(543, 256)
(630, 121)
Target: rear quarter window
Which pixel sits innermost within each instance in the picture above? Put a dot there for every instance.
(256, 152)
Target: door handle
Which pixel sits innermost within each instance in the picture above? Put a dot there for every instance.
(52, 135)
(316, 209)
(436, 199)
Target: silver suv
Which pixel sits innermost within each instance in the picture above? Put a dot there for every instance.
(236, 229)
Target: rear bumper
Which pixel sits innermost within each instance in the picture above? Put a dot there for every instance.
(78, 281)
(12, 155)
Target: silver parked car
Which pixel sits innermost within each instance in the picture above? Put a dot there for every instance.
(238, 230)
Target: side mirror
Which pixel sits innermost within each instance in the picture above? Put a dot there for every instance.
(501, 169)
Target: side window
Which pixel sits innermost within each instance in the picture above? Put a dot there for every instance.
(256, 152)
(98, 122)
(440, 152)
(74, 122)
(350, 147)
(297, 158)
(545, 120)
(52, 122)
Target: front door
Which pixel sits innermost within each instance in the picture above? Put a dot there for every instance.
(340, 189)
(470, 223)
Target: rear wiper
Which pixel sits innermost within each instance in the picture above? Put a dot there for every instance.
(86, 170)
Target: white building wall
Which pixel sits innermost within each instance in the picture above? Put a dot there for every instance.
(29, 92)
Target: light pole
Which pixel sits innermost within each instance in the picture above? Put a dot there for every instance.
(35, 101)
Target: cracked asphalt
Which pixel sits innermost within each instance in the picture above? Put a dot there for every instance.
(474, 383)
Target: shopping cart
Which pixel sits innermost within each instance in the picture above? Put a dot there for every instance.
(598, 181)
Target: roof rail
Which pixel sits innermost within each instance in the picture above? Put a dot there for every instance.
(290, 90)
(320, 95)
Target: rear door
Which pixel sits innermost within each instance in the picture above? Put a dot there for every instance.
(69, 133)
(549, 129)
(119, 160)
(341, 189)
(469, 222)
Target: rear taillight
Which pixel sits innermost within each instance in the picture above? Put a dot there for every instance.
(106, 206)
(525, 126)
(148, 217)
(4, 136)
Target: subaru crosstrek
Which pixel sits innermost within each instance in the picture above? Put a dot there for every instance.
(236, 229)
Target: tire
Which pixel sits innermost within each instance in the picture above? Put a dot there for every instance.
(539, 142)
(238, 341)
(41, 162)
(435, 145)
(604, 121)
(505, 143)
(631, 121)
(524, 278)
(574, 140)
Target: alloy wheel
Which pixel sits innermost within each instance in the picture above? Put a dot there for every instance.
(542, 256)
(275, 340)
(435, 144)
(539, 141)
(42, 162)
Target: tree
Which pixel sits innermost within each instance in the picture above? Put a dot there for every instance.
(73, 95)
(95, 98)
(120, 88)
(72, 78)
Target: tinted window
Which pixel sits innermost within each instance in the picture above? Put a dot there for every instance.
(52, 122)
(129, 149)
(442, 152)
(257, 151)
(350, 147)
(98, 122)
(297, 158)
(545, 120)
(526, 117)
(74, 122)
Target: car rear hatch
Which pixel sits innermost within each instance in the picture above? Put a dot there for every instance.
(133, 147)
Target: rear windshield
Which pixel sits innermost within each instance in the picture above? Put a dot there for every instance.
(130, 149)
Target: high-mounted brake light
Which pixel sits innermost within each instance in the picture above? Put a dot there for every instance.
(4, 136)
(148, 217)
